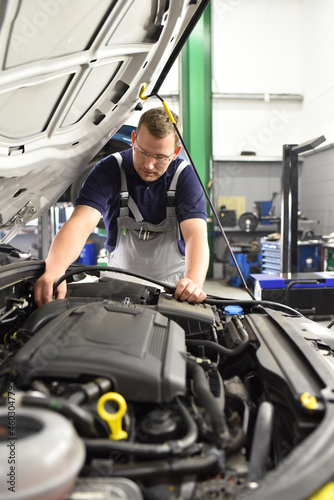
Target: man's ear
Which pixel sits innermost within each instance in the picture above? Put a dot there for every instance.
(133, 137)
(177, 151)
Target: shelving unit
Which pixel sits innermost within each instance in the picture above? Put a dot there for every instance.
(309, 256)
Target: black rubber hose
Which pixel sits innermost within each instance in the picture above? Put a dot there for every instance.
(237, 440)
(219, 348)
(209, 464)
(103, 447)
(212, 405)
(82, 420)
(90, 391)
(89, 269)
(261, 442)
(225, 350)
(218, 302)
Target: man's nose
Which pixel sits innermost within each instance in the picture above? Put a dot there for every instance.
(149, 162)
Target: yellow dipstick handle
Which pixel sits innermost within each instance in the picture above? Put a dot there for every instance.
(142, 90)
(114, 420)
(310, 402)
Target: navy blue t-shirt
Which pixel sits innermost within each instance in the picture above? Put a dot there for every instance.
(101, 191)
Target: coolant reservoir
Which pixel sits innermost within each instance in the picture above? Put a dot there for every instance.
(232, 310)
(40, 454)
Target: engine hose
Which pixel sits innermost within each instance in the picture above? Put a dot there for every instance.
(82, 420)
(251, 304)
(209, 464)
(103, 447)
(225, 350)
(90, 391)
(237, 440)
(211, 404)
(261, 442)
(219, 348)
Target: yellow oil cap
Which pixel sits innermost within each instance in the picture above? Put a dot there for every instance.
(310, 402)
(114, 420)
(326, 493)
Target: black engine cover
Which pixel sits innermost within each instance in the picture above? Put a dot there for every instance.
(141, 351)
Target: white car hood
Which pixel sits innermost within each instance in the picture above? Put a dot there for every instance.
(71, 75)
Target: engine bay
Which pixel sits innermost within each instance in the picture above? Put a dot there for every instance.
(158, 398)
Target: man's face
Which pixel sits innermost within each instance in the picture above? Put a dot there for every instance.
(145, 146)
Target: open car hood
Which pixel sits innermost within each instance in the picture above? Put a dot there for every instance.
(71, 75)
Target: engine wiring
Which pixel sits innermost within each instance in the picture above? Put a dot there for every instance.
(18, 304)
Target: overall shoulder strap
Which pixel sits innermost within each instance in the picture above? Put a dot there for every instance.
(126, 201)
(172, 187)
(170, 210)
(124, 184)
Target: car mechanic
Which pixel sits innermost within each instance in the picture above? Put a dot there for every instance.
(153, 209)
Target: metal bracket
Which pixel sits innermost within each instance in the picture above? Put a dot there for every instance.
(20, 219)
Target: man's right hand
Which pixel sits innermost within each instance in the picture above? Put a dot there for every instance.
(65, 249)
(43, 289)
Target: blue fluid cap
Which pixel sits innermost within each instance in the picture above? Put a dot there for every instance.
(233, 310)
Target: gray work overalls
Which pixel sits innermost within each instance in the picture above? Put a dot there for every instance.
(144, 248)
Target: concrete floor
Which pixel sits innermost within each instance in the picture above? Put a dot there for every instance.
(222, 289)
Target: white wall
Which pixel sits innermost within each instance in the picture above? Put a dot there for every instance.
(272, 47)
(256, 50)
(317, 176)
(317, 36)
(283, 47)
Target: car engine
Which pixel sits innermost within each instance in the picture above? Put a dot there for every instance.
(121, 391)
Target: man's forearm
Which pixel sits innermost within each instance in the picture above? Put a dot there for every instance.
(197, 249)
(190, 288)
(71, 238)
(197, 261)
(65, 249)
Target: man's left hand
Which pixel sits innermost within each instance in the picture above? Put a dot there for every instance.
(188, 290)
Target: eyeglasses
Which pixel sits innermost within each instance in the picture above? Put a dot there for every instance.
(160, 159)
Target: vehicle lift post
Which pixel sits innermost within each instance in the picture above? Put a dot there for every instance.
(289, 211)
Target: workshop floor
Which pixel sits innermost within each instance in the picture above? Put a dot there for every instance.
(222, 289)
